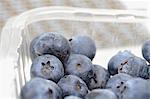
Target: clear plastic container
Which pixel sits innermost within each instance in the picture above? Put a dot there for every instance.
(112, 30)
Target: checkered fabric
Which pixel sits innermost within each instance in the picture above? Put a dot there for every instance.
(106, 33)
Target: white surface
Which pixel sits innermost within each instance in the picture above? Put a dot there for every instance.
(136, 4)
(7, 86)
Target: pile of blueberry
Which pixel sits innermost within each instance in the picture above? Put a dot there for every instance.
(63, 69)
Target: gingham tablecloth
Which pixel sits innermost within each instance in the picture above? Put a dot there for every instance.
(9, 8)
(120, 32)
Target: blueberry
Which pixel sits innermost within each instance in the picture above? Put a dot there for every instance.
(32, 53)
(135, 67)
(146, 50)
(116, 81)
(149, 71)
(72, 97)
(99, 78)
(73, 85)
(116, 60)
(101, 94)
(48, 67)
(39, 88)
(136, 88)
(79, 65)
(83, 45)
(50, 43)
